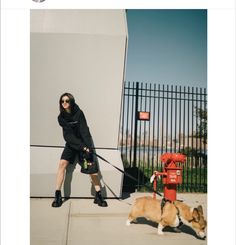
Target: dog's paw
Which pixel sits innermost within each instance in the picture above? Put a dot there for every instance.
(159, 229)
(127, 222)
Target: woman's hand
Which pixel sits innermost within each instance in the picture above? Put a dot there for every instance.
(86, 149)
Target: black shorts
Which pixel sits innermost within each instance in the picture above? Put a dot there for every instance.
(88, 164)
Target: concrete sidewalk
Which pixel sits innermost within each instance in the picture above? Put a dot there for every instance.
(79, 221)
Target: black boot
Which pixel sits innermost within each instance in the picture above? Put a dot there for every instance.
(99, 199)
(58, 200)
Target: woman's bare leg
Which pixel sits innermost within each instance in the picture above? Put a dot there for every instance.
(59, 181)
(61, 173)
(96, 182)
(98, 197)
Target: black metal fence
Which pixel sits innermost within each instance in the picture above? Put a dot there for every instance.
(174, 120)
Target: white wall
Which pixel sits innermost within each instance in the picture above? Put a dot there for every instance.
(82, 52)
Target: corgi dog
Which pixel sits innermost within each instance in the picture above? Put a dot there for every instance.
(171, 214)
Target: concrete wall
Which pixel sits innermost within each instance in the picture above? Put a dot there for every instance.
(82, 52)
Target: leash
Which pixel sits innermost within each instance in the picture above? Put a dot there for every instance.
(102, 158)
(128, 175)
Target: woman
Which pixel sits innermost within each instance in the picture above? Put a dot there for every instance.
(78, 143)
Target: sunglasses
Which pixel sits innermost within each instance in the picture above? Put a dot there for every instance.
(65, 101)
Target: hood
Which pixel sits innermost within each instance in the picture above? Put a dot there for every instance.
(68, 117)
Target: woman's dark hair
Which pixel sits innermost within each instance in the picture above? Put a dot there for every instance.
(71, 98)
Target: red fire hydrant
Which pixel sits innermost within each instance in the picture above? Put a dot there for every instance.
(172, 174)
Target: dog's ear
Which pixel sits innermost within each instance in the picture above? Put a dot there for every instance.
(200, 209)
(196, 215)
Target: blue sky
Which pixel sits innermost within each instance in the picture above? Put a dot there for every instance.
(167, 47)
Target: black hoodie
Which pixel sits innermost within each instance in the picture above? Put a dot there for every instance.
(75, 129)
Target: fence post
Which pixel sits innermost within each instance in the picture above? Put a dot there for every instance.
(136, 124)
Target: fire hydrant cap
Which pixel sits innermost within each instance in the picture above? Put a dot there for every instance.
(175, 157)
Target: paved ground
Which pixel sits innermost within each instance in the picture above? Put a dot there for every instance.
(79, 221)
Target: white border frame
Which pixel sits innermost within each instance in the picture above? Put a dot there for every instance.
(15, 111)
